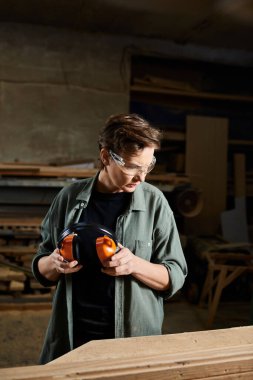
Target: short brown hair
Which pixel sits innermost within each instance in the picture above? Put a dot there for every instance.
(128, 133)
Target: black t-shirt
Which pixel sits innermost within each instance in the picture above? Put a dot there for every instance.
(93, 291)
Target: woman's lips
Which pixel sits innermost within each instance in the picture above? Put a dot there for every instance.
(132, 185)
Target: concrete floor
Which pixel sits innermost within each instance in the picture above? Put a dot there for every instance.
(22, 331)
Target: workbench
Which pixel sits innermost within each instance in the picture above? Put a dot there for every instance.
(218, 270)
(225, 353)
(225, 265)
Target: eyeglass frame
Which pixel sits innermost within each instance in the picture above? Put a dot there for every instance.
(119, 161)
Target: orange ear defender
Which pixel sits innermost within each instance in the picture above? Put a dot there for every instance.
(66, 247)
(105, 247)
(89, 244)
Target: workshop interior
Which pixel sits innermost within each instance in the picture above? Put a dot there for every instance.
(187, 68)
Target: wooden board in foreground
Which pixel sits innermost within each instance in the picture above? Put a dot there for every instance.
(225, 353)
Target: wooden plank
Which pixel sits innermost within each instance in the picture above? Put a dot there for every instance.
(52, 171)
(206, 166)
(234, 221)
(197, 355)
(161, 345)
(7, 274)
(16, 286)
(20, 222)
(204, 365)
(166, 83)
(240, 175)
(45, 171)
(17, 250)
(147, 88)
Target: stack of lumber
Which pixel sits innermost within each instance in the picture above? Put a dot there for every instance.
(11, 280)
(226, 353)
(15, 267)
(25, 170)
(18, 245)
(23, 227)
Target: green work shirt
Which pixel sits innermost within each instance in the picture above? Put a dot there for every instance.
(148, 229)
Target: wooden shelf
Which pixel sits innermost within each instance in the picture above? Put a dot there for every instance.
(44, 171)
(190, 94)
(51, 171)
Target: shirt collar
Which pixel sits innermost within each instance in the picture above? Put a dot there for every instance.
(138, 199)
(137, 202)
(85, 194)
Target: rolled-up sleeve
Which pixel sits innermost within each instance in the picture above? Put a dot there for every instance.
(169, 252)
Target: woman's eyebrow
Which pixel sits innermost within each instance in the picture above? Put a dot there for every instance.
(136, 165)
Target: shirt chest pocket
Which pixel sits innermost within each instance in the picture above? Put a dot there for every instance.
(143, 249)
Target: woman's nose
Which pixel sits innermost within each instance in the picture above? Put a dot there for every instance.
(140, 176)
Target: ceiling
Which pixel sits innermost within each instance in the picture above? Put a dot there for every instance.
(212, 23)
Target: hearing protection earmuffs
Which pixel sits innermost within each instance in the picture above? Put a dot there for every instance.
(87, 243)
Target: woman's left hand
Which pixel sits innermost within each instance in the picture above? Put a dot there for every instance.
(124, 263)
(120, 264)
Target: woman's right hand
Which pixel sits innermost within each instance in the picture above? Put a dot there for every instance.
(63, 266)
(52, 266)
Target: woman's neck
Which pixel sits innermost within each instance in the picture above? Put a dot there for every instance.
(104, 185)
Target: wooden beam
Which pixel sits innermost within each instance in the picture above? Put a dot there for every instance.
(203, 355)
(146, 88)
(240, 175)
(206, 166)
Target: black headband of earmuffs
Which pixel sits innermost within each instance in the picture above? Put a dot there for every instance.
(90, 229)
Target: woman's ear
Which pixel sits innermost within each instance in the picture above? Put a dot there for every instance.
(104, 156)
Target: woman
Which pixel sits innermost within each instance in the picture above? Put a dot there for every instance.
(125, 297)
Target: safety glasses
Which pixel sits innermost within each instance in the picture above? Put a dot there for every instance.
(131, 169)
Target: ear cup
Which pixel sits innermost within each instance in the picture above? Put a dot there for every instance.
(66, 247)
(105, 247)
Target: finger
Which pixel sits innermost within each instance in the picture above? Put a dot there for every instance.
(76, 268)
(117, 271)
(72, 270)
(73, 264)
(56, 252)
(59, 269)
(119, 254)
(68, 269)
(56, 257)
(69, 265)
(109, 271)
(120, 259)
(112, 263)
